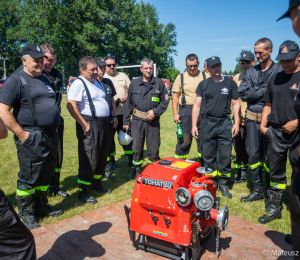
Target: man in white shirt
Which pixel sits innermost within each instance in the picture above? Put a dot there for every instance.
(121, 83)
(87, 105)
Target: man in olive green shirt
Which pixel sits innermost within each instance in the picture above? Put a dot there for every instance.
(191, 80)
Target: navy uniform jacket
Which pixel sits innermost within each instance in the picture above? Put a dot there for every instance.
(155, 97)
(254, 84)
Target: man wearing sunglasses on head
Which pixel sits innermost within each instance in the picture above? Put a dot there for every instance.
(186, 85)
(121, 83)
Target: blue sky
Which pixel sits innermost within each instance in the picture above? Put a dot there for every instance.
(224, 28)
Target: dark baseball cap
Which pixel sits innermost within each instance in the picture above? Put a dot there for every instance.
(34, 51)
(100, 61)
(247, 55)
(212, 61)
(293, 3)
(288, 50)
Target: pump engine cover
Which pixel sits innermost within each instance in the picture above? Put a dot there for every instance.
(154, 209)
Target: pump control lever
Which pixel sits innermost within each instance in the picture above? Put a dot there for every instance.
(155, 219)
(167, 221)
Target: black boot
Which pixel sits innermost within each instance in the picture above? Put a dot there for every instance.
(25, 208)
(130, 159)
(241, 176)
(84, 195)
(55, 190)
(97, 185)
(136, 172)
(112, 163)
(256, 194)
(274, 208)
(223, 187)
(42, 207)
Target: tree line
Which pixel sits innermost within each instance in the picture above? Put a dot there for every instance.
(126, 29)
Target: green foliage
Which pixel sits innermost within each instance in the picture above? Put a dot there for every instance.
(238, 67)
(126, 29)
(9, 48)
(170, 73)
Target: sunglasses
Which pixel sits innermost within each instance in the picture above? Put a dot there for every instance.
(109, 65)
(192, 66)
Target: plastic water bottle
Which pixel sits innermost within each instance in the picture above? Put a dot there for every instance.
(179, 132)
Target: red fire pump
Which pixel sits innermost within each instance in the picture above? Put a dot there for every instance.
(175, 210)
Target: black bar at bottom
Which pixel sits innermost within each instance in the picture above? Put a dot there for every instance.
(158, 252)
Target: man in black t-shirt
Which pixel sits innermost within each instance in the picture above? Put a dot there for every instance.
(213, 100)
(281, 115)
(34, 122)
(113, 118)
(55, 78)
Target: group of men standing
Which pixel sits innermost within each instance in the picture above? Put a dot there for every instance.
(261, 99)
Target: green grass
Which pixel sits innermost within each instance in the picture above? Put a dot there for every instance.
(121, 187)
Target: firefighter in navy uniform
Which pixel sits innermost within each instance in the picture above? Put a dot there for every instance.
(147, 100)
(213, 101)
(55, 77)
(247, 60)
(282, 118)
(186, 84)
(113, 118)
(34, 122)
(252, 90)
(16, 241)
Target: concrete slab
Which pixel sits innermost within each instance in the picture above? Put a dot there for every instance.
(102, 234)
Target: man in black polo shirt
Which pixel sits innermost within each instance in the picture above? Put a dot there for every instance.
(281, 115)
(55, 78)
(113, 118)
(214, 98)
(34, 122)
(293, 13)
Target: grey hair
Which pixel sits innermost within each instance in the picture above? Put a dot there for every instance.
(146, 60)
(26, 57)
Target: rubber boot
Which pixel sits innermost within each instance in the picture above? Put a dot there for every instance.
(55, 190)
(112, 163)
(256, 194)
(274, 208)
(97, 185)
(107, 173)
(223, 187)
(25, 208)
(130, 160)
(84, 195)
(136, 172)
(241, 176)
(54, 186)
(42, 207)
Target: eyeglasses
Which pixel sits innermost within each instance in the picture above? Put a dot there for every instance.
(109, 65)
(192, 66)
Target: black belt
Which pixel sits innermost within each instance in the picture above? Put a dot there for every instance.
(185, 106)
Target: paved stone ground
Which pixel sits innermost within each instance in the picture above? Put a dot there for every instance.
(102, 234)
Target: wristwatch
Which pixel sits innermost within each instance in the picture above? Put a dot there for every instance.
(115, 116)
